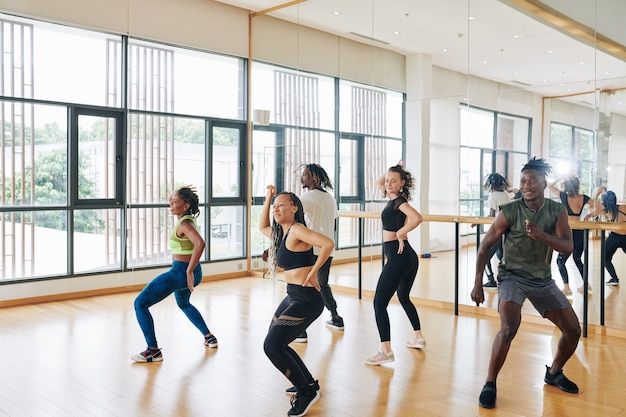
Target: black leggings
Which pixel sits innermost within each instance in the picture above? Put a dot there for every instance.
(296, 312)
(578, 236)
(397, 275)
(613, 242)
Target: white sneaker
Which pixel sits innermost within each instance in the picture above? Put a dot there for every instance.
(380, 358)
(418, 344)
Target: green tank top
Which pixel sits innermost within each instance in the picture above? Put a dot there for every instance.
(181, 246)
(522, 256)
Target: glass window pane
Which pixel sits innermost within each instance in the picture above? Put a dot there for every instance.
(348, 227)
(369, 110)
(35, 172)
(471, 179)
(584, 145)
(97, 240)
(96, 157)
(59, 69)
(293, 97)
(477, 127)
(226, 162)
(560, 140)
(513, 133)
(34, 244)
(263, 161)
(348, 163)
(164, 153)
(170, 79)
(227, 232)
(148, 232)
(259, 241)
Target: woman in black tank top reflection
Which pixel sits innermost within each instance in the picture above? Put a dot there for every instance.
(398, 274)
(575, 203)
(291, 248)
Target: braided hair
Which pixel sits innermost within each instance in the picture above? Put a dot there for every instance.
(319, 176)
(277, 229)
(189, 195)
(609, 202)
(409, 183)
(538, 164)
(495, 181)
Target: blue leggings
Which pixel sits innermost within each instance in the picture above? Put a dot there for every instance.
(172, 281)
(397, 275)
(296, 312)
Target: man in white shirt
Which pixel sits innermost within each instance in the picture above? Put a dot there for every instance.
(320, 214)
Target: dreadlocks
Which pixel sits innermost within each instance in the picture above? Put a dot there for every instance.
(539, 165)
(318, 175)
(496, 182)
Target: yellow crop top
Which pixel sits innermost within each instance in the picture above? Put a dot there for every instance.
(181, 246)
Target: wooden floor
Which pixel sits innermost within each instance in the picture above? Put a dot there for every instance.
(72, 358)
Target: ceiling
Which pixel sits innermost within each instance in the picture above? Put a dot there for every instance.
(547, 47)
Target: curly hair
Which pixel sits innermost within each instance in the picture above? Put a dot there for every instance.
(538, 164)
(319, 175)
(495, 181)
(571, 185)
(277, 229)
(409, 183)
(189, 195)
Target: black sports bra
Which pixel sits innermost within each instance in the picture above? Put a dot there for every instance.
(563, 196)
(287, 259)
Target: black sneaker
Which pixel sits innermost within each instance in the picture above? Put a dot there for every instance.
(315, 385)
(301, 403)
(613, 281)
(335, 323)
(487, 397)
(559, 380)
(302, 338)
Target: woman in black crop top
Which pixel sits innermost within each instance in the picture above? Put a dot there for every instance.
(398, 274)
(574, 202)
(292, 249)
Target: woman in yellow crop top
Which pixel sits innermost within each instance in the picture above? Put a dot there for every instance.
(187, 246)
(291, 248)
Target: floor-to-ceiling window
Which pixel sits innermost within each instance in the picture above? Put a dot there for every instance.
(490, 142)
(573, 152)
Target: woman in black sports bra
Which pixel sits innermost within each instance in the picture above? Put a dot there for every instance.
(575, 203)
(398, 274)
(613, 213)
(291, 248)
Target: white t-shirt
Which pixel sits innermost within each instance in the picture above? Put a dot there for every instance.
(497, 198)
(320, 212)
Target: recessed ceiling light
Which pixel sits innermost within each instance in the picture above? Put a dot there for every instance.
(550, 52)
(517, 36)
(517, 72)
(336, 13)
(444, 50)
(484, 62)
(471, 18)
(607, 73)
(581, 63)
(396, 33)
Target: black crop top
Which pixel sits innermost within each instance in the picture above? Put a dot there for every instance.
(393, 218)
(570, 212)
(287, 259)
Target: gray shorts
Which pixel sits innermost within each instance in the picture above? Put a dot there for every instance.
(544, 295)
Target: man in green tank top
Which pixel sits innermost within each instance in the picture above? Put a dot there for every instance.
(533, 227)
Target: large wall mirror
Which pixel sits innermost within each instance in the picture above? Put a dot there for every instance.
(488, 83)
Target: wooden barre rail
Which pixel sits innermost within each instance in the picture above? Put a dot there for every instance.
(586, 226)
